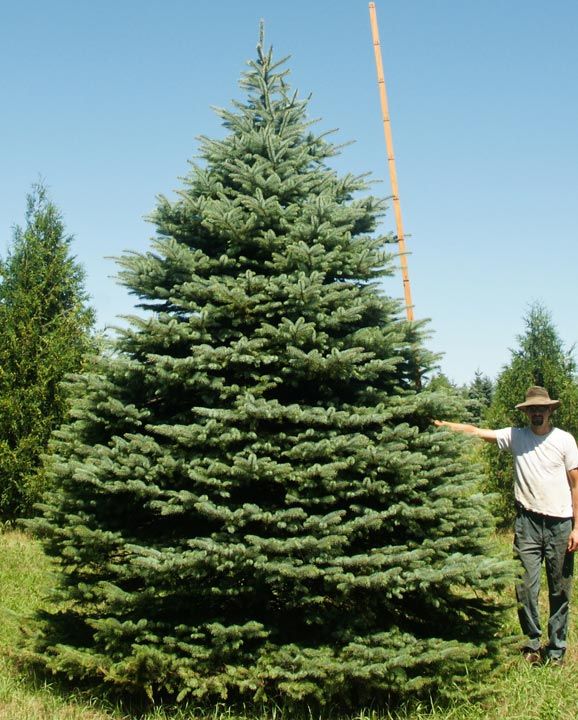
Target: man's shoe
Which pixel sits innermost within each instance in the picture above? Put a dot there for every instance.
(553, 660)
(532, 656)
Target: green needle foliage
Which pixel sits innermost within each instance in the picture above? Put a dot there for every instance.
(252, 502)
(44, 333)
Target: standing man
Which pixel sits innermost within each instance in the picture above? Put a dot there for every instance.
(546, 498)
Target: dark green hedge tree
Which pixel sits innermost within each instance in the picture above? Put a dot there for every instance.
(252, 502)
(540, 359)
(479, 393)
(44, 332)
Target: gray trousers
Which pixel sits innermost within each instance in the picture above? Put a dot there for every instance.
(542, 538)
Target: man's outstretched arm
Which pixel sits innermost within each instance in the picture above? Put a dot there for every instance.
(483, 433)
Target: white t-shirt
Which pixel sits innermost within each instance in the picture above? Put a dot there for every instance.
(541, 463)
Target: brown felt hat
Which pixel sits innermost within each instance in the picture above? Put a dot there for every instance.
(537, 395)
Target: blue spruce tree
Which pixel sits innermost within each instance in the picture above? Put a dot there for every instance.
(251, 501)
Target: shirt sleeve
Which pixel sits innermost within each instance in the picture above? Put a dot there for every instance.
(571, 453)
(504, 438)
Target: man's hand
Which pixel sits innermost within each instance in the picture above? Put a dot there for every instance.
(573, 541)
(466, 429)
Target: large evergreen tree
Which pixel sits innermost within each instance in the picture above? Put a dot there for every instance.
(540, 359)
(252, 501)
(44, 326)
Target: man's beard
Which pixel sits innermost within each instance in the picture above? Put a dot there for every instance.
(537, 420)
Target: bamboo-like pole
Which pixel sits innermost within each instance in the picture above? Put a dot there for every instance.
(391, 161)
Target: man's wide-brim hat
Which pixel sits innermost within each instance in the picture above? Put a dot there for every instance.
(537, 395)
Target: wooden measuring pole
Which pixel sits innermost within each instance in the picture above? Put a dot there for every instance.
(391, 161)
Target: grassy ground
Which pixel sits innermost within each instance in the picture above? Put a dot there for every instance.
(515, 692)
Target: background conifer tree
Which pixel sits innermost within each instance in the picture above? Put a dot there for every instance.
(252, 502)
(540, 359)
(44, 326)
(479, 393)
(475, 396)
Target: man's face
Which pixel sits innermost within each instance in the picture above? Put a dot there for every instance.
(538, 415)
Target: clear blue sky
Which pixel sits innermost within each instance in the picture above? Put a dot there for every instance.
(104, 101)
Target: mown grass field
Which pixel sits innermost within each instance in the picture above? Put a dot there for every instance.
(514, 692)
